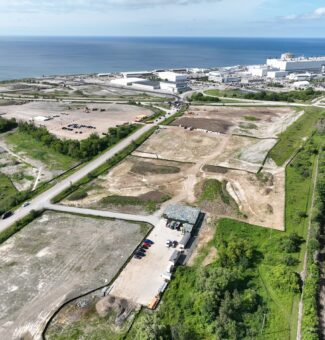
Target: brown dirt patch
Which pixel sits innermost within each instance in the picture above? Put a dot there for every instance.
(214, 125)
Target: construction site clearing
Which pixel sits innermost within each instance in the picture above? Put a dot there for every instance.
(75, 121)
(250, 121)
(168, 168)
(55, 258)
(145, 277)
(195, 146)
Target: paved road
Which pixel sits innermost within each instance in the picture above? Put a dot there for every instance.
(41, 201)
(108, 214)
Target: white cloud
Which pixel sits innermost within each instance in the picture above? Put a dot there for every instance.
(74, 5)
(317, 14)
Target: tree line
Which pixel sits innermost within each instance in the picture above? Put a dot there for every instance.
(80, 150)
(200, 97)
(291, 96)
(216, 301)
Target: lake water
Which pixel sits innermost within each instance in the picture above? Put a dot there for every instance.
(36, 56)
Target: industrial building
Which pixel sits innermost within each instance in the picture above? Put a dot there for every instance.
(139, 74)
(301, 85)
(188, 216)
(173, 82)
(288, 62)
(259, 71)
(219, 77)
(126, 81)
(169, 81)
(277, 74)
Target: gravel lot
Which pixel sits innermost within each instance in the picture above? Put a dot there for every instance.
(55, 258)
(63, 115)
(141, 279)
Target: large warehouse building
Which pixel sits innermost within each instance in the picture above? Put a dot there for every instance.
(288, 62)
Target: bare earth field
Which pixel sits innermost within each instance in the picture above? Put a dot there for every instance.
(252, 121)
(55, 258)
(260, 198)
(178, 144)
(134, 177)
(99, 116)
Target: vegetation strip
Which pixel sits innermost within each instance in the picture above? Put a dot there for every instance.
(293, 138)
(291, 96)
(6, 234)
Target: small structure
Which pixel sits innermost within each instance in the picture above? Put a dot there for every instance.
(184, 241)
(153, 303)
(299, 85)
(187, 216)
(167, 276)
(174, 258)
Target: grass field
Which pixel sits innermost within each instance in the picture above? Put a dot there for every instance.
(7, 189)
(213, 190)
(291, 139)
(303, 96)
(26, 144)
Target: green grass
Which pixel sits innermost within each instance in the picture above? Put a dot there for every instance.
(149, 204)
(290, 96)
(170, 119)
(7, 189)
(22, 142)
(251, 118)
(13, 229)
(214, 190)
(293, 138)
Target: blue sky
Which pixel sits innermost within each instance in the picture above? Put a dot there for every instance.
(249, 18)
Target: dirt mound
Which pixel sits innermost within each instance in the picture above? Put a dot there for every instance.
(144, 168)
(110, 304)
(156, 196)
(215, 169)
(215, 125)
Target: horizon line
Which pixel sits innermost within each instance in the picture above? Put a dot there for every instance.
(154, 36)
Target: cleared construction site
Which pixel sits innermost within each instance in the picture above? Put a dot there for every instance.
(55, 258)
(75, 121)
(228, 146)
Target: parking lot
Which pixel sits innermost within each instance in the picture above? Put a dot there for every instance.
(142, 279)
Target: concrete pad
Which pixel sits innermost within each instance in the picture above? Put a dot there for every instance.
(141, 279)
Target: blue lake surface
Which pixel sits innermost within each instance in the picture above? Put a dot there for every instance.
(36, 56)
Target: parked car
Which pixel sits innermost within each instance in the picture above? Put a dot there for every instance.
(173, 225)
(168, 243)
(136, 256)
(148, 241)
